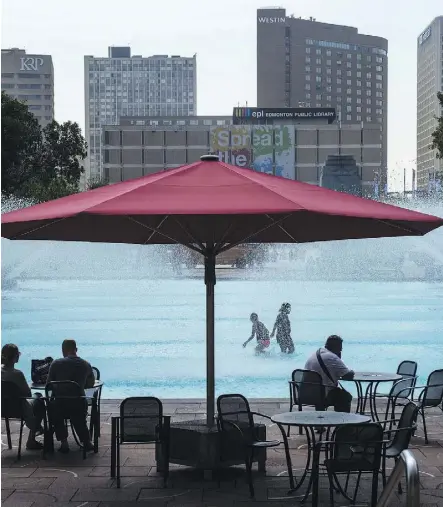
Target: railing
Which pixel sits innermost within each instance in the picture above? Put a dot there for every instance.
(407, 465)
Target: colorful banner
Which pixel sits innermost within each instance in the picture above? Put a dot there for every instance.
(264, 148)
(232, 144)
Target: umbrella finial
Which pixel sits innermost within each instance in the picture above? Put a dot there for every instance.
(210, 157)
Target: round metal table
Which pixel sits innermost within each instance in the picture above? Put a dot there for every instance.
(98, 384)
(373, 379)
(311, 420)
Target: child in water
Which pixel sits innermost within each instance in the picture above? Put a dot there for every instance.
(283, 327)
(260, 331)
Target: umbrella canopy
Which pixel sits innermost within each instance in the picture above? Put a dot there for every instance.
(210, 207)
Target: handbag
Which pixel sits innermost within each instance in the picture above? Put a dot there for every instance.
(40, 370)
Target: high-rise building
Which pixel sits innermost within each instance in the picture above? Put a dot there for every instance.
(125, 85)
(30, 78)
(429, 82)
(306, 63)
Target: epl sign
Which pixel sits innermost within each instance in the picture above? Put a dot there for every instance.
(30, 63)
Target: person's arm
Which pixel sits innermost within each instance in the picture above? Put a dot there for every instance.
(90, 379)
(251, 337)
(348, 376)
(51, 376)
(275, 327)
(341, 370)
(23, 385)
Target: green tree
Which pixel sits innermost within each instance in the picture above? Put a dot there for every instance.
(96, 183)
(437, 135)
(21, 142)
(39, 164)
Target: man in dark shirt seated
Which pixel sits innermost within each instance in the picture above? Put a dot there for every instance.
(72, 368)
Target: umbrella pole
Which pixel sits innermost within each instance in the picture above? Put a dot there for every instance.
(210, 367)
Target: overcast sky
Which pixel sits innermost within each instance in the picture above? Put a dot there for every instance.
(223, 34)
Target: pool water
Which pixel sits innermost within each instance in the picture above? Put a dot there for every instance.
(147, 336)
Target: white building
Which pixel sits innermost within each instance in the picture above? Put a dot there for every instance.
(429, 82)
(125, 85)
(30, 79)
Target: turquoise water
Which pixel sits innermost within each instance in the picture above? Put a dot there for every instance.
(148, 336)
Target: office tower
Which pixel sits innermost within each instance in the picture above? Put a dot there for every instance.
(307, 63)
(30, 78)
(125, 85)
(429, 82)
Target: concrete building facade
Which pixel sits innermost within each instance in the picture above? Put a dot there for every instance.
(306, 63)
(293, 151)
(126, 85)
(30, 79)
(429, 82)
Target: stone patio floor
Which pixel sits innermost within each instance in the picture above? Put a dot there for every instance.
(70, 481)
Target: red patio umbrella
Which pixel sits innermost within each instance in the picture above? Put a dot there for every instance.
(211, 207)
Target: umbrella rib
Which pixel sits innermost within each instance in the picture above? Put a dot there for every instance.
(188, 232)
(30, 231)
(284, 230)
(158, 227)
(155, 230)
(393, 224)
(220, 244)
(244, 240)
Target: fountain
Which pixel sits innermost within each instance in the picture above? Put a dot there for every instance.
(125, 306)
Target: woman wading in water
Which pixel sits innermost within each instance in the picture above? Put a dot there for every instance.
(283, 327)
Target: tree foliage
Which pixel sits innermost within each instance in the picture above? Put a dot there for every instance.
(437, 135)
(39, 164)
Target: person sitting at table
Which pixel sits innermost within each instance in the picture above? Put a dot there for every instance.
(33, 408)
(328, 363)
(72, 368)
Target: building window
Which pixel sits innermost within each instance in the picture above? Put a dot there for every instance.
(348, 65)
(349, 109)
(358, 83)
(308, 104)
(318, 51)
(378, 68)
(368, 110)
(379, 77)
(328, 52)
(348, 100)
(338, 62)
(328, 62)
(368, 75)
(338, 99)
(307, 86)
(318, 79)
(318, 70)
(379, 59)
(349, 56)
(378, 111)
(328, 71)
(368, 84)
(307, 59)
(358, 118)
(379, 94)
(348, 117)
(358, 100)
(378, 103)
(368, 93)
(329, 80)
(358, 56)
(338, 72)
(339, 90)
(328, 98)
(307, 77)
(368, 119)
(358, 109)
(309, 41)
(338, 80)
(349, 82)
(369, 58)
(359, 66)
(308, 96)
(318, 61)
(318, 104)
(329, 88)
(308, 50)
(368, 101)
(307, 68)
(349, 91)
(379, 86)
(349, 73)
(318, 96)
